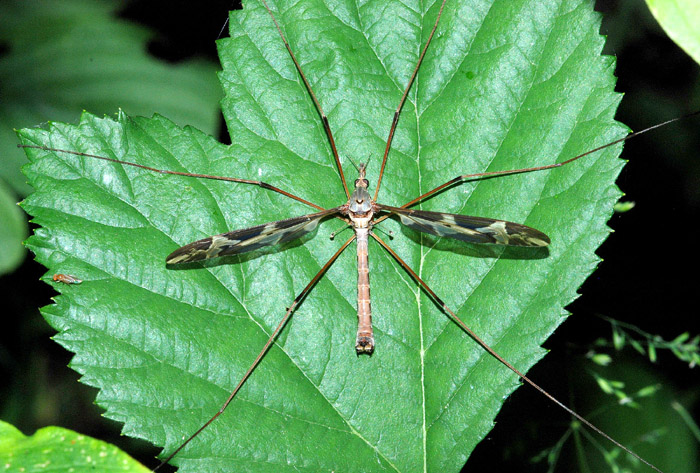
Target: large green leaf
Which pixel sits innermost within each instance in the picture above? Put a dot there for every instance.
(504, 85)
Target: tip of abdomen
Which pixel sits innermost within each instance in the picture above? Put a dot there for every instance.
(364, 345)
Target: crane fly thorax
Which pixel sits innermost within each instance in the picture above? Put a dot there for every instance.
(360, 208)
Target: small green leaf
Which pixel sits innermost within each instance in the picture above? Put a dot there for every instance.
(687, 419)
(601, 359)
(680, 339)
(605, 385)
(618, 339)
(617, 384)
(648, 391)
(652, 352)
(637, 346)
(60, 450)
(622, 207)
(505, 85)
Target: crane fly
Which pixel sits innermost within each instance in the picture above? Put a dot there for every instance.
(362, 211)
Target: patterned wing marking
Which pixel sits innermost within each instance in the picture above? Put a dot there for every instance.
(248, 239)
(471, 229)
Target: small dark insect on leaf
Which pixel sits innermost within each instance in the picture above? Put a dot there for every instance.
(66, 279)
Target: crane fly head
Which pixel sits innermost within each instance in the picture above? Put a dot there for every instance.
(360, 202)
(361, 181)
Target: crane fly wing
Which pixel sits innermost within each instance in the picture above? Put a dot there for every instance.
(471, 229)
(248, 239)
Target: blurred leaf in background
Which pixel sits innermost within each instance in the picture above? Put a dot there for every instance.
(57, 61)
(13, 230)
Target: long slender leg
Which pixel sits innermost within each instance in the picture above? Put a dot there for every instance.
(395, 121)
(463, 178)
(264, 185)
(493, 353)
(324, 118)
(264, 350)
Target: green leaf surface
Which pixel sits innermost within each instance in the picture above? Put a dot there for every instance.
(13, 230)
(504, 85)
(61, 61)
(60, 450)
(680, 20)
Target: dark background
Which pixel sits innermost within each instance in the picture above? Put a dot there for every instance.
(648, 276)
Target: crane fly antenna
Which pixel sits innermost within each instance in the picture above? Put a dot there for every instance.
(324, 118)
(223, 28)
(395, 120)
(357, 168)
